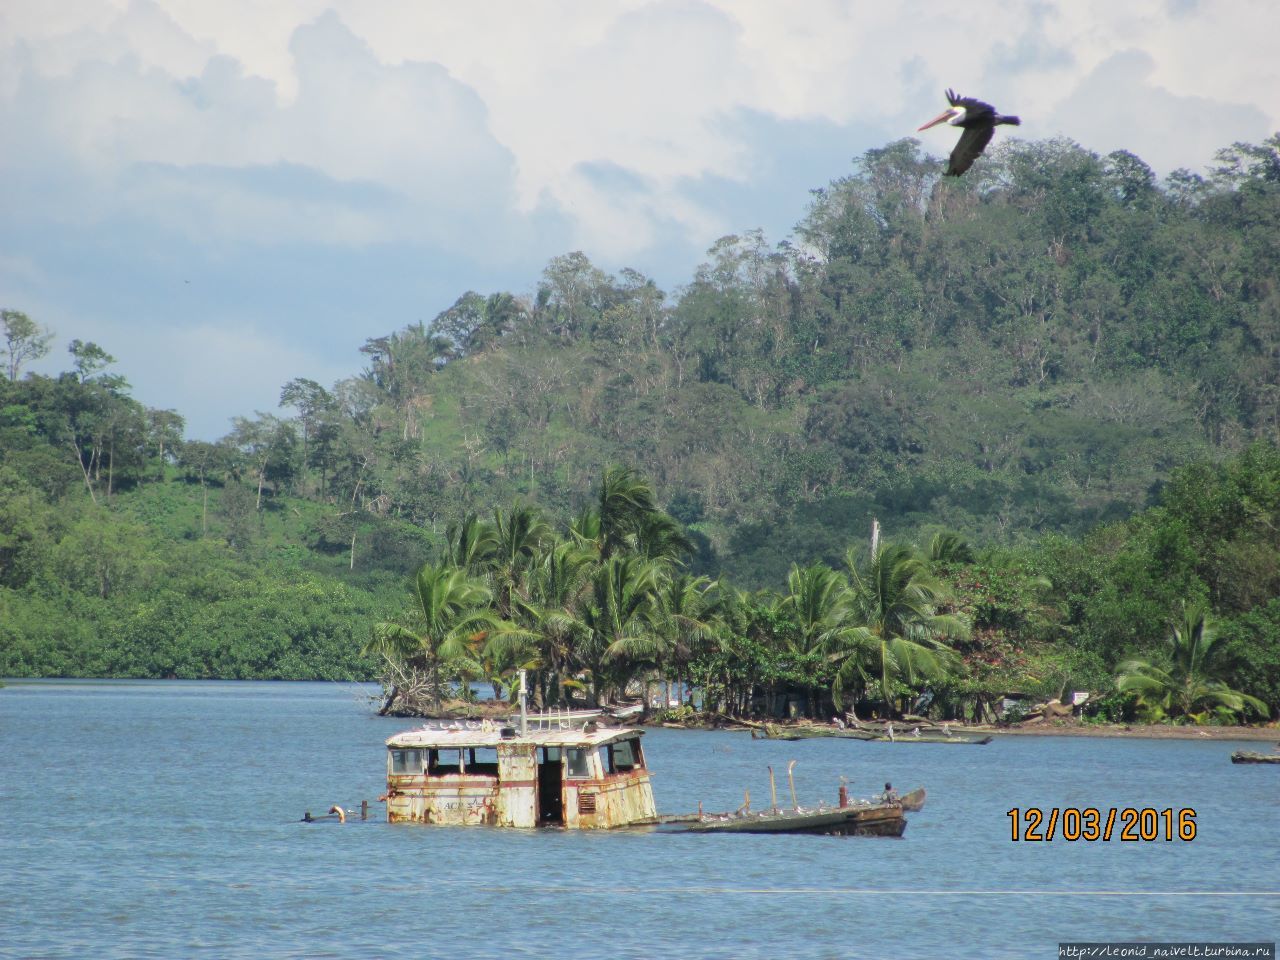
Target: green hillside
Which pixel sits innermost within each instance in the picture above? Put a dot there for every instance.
(1027, 357)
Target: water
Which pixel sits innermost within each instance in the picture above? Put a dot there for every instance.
(160, 819)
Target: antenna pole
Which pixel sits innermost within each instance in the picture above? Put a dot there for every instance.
(524, 715)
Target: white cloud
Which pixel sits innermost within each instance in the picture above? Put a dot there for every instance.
(1123, 110)
(458, 140)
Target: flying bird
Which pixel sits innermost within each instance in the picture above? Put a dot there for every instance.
(978, 120)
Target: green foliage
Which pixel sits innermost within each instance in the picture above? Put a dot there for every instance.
(1186, 685)
(1066, 364)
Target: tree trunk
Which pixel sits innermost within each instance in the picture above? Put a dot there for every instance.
(88, 483)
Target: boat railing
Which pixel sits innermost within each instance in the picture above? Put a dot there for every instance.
(559, 719)
(537, 722)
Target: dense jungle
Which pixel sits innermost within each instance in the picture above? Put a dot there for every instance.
(1055, 384)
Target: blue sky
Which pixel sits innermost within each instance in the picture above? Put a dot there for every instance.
(227, 195)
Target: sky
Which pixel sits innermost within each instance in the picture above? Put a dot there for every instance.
(229, 194)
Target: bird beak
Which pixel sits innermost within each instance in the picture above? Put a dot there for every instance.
(945, 115)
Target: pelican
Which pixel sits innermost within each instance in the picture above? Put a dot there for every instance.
(979, 121)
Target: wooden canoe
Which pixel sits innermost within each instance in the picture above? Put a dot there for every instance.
(862, 820)
(913, 801)
(774, 731)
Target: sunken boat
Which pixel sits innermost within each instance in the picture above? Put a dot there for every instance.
(547, 771)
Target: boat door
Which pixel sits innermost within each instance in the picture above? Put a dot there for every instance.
(550, 787)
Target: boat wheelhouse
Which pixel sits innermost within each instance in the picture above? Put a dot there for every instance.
(556, 772)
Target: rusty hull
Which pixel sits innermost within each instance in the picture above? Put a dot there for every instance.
(510, 797)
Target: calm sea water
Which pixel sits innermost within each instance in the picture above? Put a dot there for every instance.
(160, 819)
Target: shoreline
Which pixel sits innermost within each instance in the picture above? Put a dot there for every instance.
(1067, 728)
(1147, 731)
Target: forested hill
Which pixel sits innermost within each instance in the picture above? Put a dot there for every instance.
(1031, 349)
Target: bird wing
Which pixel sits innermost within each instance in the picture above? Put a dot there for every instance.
(972, 142)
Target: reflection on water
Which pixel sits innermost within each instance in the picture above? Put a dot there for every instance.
(162, 819)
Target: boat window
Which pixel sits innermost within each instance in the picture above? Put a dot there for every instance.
(550, 754)
(406, 761)
(444, 762)
(576, 762)
(624, 756)
(483, 761)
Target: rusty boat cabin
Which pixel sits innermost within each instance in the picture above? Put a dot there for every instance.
(561, 774)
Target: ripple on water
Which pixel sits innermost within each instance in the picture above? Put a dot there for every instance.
(160, 819)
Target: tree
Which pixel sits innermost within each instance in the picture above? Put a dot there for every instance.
(314, 403)
(470, 543)
(451, 616)
(1189, 685)
(895, 599)
(559, 586)
(267, 444)
(619, 621)
(90, 359)
(572, 295)
(683, 615)
(518, 535)
(23, 340)
(949, 549)
(820, 602)
(201, 459)
(625, 499)
(164, 436)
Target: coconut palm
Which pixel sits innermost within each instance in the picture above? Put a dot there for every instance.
(517, 536)
(452, 617)
(819, 598)
(559, 585)
(948, 548)
(470, 543)
(624, 500)
(619, 621)
(821, 603)
(660, 537)
(1188, 684)
(895, 598)
(682, 617)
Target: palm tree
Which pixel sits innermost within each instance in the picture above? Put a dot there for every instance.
(559, 586)
(470, 543)
(660, 537)
(625, 498)
(1189, 683)
(896, 598)
(619, 621)
(681, 618)
(517, 537)
(453, 617)
(948, 548)
(821, 603)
